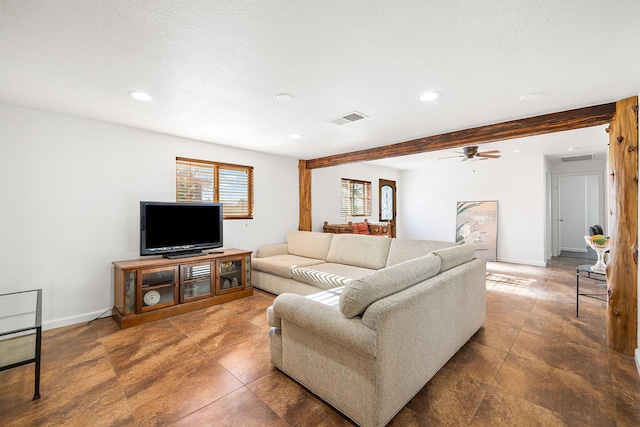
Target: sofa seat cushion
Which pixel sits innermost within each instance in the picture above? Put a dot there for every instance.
(328, 275)
(309, 244)
(358, 250)
(402, 250)
(330, 297)
(360, 293)
(455, 256)
(280, 265)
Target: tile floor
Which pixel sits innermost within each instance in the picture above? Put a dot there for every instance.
(533, 363)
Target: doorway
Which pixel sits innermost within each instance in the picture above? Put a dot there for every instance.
(579, 205)
(387, 204)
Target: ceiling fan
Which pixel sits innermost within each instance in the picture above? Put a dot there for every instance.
(472, 153)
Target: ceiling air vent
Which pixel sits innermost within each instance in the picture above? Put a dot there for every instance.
(348, 118)
(577, 158)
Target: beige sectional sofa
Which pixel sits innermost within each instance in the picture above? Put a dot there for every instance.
(390, 314)
(311, 261)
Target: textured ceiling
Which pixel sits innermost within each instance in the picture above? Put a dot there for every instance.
(215, 67)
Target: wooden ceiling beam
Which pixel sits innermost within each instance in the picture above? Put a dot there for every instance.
(555, 122)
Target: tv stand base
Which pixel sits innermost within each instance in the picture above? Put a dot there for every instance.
(128, 321)
(149, 289)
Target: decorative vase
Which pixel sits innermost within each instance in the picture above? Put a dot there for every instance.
(600, 245)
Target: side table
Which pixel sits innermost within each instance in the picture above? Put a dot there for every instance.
(586, 272)
(21, 331)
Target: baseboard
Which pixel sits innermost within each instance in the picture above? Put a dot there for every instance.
(637, 357)
(72, 320)
(582, 250)
(519, 261)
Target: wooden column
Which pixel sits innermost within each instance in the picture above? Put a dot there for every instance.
(622, 269)
(304, 181)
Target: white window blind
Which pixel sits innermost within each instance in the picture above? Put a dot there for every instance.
(231, 185)
(355, 198)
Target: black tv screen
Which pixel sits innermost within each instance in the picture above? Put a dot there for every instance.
(172, 228)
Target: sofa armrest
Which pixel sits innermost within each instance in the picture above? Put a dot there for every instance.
(272, 319)
(272, 250)
(325, 321)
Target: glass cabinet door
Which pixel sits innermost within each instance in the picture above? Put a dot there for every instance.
(195, 281)
(231, 275)
(157, 288)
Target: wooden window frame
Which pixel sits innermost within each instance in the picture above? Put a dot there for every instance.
(347, 201)
(215, 184)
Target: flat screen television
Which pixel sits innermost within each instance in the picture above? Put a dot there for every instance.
(176, 230)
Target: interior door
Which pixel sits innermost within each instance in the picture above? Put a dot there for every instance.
(387, 204)
(578, 208)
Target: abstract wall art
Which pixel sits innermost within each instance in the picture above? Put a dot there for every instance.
(477, 223)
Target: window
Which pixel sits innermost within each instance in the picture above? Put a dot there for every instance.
(355, 199)
(231, 185)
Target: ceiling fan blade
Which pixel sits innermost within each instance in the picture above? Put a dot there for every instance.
(490, 152)
(489, 156)
(449, 157)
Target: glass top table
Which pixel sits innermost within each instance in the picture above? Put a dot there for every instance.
(21, 331)
(586, 271)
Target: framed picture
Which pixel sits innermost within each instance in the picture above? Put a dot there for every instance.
(477, 223)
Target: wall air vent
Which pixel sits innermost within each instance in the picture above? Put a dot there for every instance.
(354, 116)
(577, 158)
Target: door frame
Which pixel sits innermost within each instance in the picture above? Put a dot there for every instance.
(392, 224)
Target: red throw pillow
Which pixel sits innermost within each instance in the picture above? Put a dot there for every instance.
(363, 228)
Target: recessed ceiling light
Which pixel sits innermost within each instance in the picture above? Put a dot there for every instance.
(284, 97)
(517, 150)
(140, 96)
(295, 136)
(428, 96)
(530, 96)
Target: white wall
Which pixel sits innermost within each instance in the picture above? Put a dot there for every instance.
(70, 203)
(427, 204)
(593, 200)
(325, 190)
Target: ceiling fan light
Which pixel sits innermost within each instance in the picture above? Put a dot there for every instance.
(471, 153)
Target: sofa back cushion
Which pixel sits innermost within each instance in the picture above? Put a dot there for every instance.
(309, 244)
(360, 251)
(318, 278)
(280, 265)
(455, 255)
(405, 249)
(360, 293)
